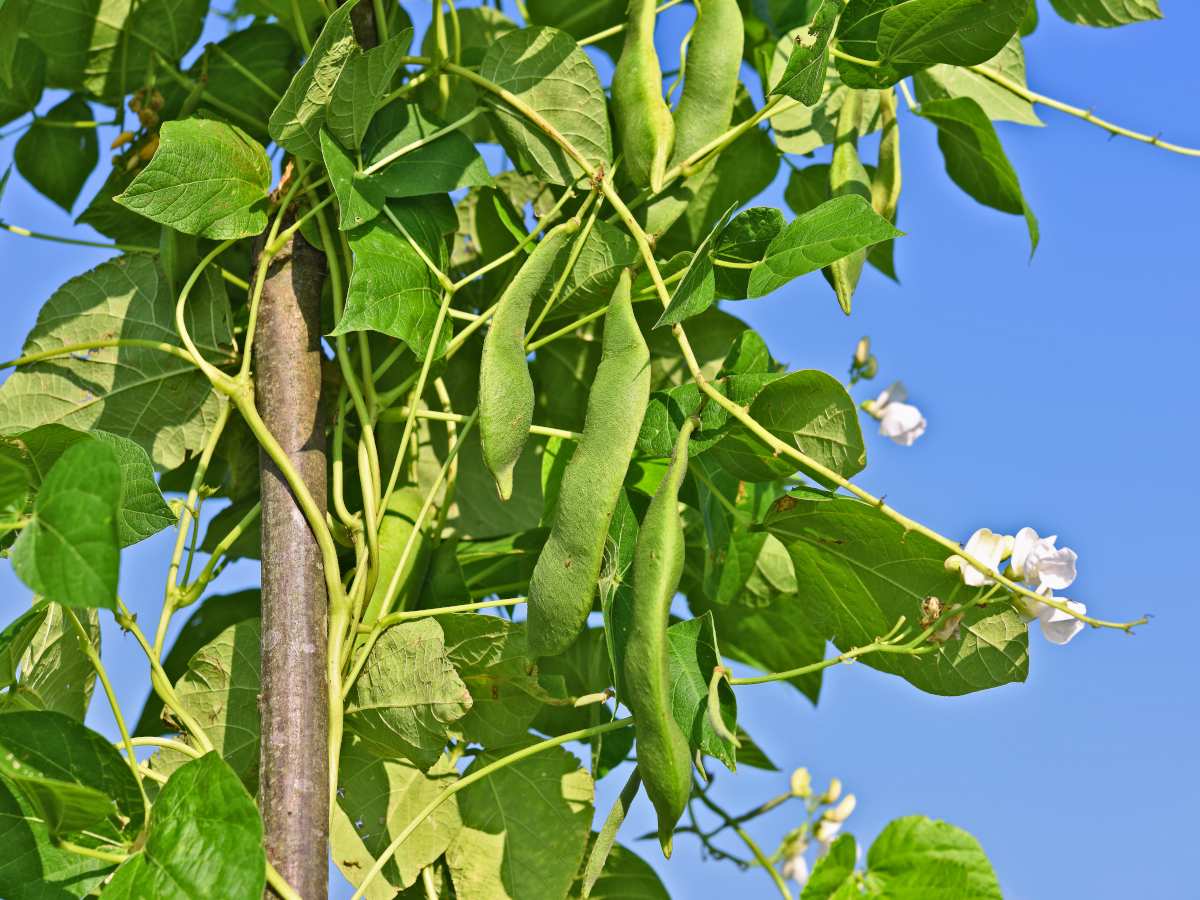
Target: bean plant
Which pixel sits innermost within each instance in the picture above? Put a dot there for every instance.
(444, 327)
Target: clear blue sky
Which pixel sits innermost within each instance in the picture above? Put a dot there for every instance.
(1059, 394)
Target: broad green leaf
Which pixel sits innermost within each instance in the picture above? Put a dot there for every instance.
(364, 82)
(204, 840)
(213, 616)
(491, 658)
(55, 673)
(377, 798)
(803, 78)
(142, 511)
(807, 409)
(58, 161)
(813, 240)
(582, 20)
(692, 655)
(833, 872)
(408, 695)
(803, 129)
(296, 122)
(998, 103)
(220, 689)
(16, 636)
(207, 178)
(745, 240)
(14, 488)
(159, 401)
(858, 36)
(698, 288)
(524, 828)
(779, 635)
(908, 857)
(547, 71)
(70, 551)
(391, 289)
(861, 572)
(919, 33)
(359, 199)
(975, 159)
(32, 867)
(107, 47)
(625, 876)
(12, 17)
(588, 286)
(1107, 13)
(668, 409)
(73, 776)
(24, 90)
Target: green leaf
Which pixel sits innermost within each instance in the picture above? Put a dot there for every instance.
(445, 164)
(159, 401)
(698, 288)
(58, 161)
(803, 78)
(27, 78)
(14, 487)
(70, 552)
(834, 871)
(12, 17)
(546, 70)
(745, 239)
(975, 160)
(207, 178)
(108, 48)
(32, 867)
(204, 840)
(408, 694)
(213, 616)
(589, 284)
(360, 89)
(296, 122)
(910, 854)
(919, 33)
(524, 830)
(858, 35)
(813, 240)
(808, 409)
(115, 221)
(377, 798)
(142, 512)
(391, 289)
(625, 876)
(803, 129)
(1107, 13)
(220, 689)
(490, 656)
(692, 655)
(56, 674)
(998, 103)
(861, 572)
(73, 776)
(15, 637)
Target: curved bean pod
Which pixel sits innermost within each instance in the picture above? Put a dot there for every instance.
(564, 579)
(664, 757)
(644, 125)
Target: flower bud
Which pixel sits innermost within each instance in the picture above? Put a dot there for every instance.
(841, 812)
(121, 140)
(148, 148)
(833, 791)
(862, 351)
(801, 783)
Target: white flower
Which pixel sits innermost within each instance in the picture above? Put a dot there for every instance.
(827, 830)
(795, 867)
(1058, 627)
(901, 422)
(988, 548)
(1036, 560)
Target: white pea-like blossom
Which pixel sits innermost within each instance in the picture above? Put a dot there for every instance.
(795, 867)
(899, 421)
(827, 830)
(1039, 562)
(988, 548)
(1058, 626)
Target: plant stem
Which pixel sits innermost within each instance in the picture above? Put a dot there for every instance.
(420, 142)
(408, 615)
(478, 775)
(84, 346)
(91, 852)
(617, 29)
(750, 843)
(168, 743)
(399, 414)
(75, 242)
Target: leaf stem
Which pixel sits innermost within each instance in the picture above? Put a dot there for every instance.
(408, 615)
(617, 29)
(84, 346)
(167, 743)
(478, 775)
(279, 884)
(397, 414)
(92, 852)
(75, 242)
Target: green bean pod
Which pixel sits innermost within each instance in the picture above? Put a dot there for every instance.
(645, 128)
(664, 757)
(705, 110)
(505, 388)
(847, 175)
(565, 576)
(399, 517)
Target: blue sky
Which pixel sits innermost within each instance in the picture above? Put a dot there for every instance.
(1058, 394)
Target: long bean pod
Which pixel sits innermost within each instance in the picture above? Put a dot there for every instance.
(645, 128)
